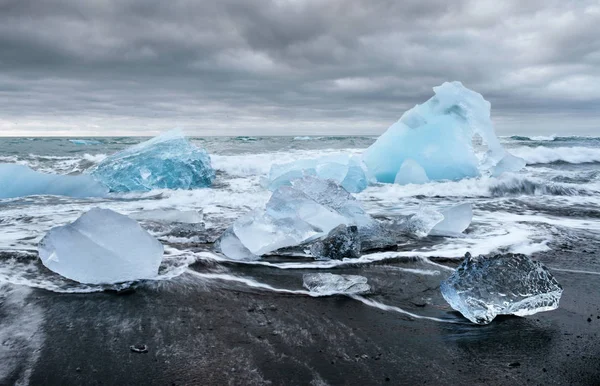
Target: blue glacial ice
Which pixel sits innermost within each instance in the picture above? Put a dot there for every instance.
(20, 180)
(437, 137)
(169, 161)
(101, 247)
(345, 170)
(450, 222)
(411, 173)
(486, 286)
(294, 215)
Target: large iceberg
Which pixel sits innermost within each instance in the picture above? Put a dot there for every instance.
(101, 247)
(20, 180)
(168, 161)
(435, 138)
(305, 211)
(330, 284)
(344, 170)
(483, 287)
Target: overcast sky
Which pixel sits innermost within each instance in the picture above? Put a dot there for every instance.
(235, 67)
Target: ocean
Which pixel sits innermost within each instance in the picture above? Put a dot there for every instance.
(550, 211)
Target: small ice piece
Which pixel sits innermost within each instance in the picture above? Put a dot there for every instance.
(483, 287)
(330, 284)
(20, 181)
(343, 170)
(422, 222)
(438, 135)
(509, 163)
(169, 161)
(411, 173)
(456, 220)
(101, 247)
(229, 245)
(342, 242)
(169, 215)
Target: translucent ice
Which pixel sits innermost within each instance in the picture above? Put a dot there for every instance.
(456, 220)
(483, 287)
(508, 163)
(438, 135)
(173, 222)
(294, 215)
(101, 247)
(342, 242)
(168, 161)
(330, 284)
(344, 170)
(422, 222)
(19, 180)
(411, 173)
(169, 215)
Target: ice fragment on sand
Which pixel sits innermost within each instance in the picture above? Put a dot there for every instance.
(330, 284)
(422, 222)
(169, 161)
(456, 220)
(19, 181)
(483, 287)
(438, 136)
(101, 247)
(342, 242)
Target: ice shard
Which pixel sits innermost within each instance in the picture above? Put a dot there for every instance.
(330, 284)
(19, 181)
(486, 286)
(101, 247)
(437, 135)
(456, 220)
(169, 161)
(341, 243)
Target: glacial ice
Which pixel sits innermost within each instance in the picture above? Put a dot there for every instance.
(422, 222)
(344, 170)
(294, 215)
(456, 220)
(168, 161)
(20, 180)
(330, 284)
(508, 163)
(483, 287)
(101, 247)
(342, 242)
(172, 222)
(411, 173)
(437, 135)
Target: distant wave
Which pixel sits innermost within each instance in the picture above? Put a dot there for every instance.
(548, 155)
(85, 142)
(554, 138)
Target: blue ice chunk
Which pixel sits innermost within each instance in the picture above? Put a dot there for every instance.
(509, 163)
(485, 286)
(20, 180)
(168, 161)
(344, 170)
(438, 136)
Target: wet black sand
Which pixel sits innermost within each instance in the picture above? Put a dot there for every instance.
(211, 332)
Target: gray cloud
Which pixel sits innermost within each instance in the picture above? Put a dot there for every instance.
(290, 67)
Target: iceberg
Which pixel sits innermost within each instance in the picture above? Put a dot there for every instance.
(168, 161)
(341, 243)
(411, 173)
(344, 170)
(101, 247)
(483, 287)
(437, 136)
(20, 180)
(297, 214)
(330, 284)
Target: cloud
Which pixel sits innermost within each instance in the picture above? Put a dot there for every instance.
(290, 67)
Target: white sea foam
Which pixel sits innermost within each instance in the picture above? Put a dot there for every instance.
(545, 155)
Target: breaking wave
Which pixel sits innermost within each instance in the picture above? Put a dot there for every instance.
(548, 155)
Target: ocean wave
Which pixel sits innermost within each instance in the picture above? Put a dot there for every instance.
(548, 155)
(554, 138)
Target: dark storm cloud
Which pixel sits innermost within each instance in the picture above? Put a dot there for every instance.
(282, 67)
